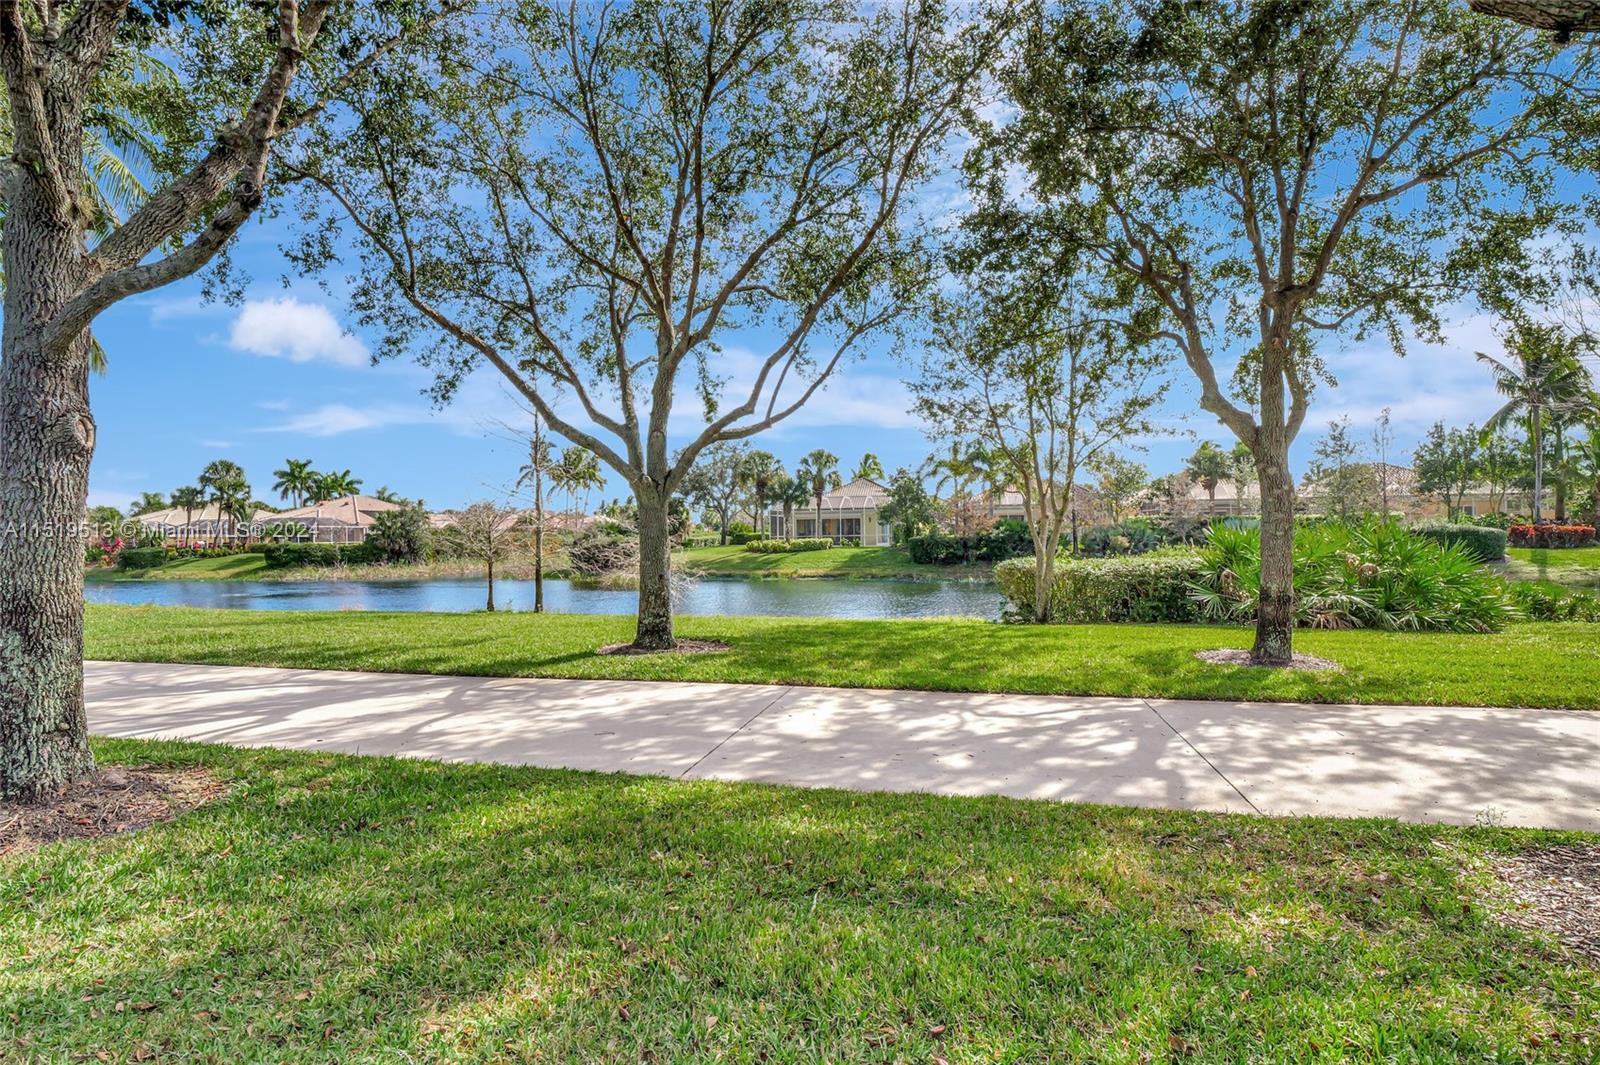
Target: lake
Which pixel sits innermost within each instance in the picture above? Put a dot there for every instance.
(709, 596)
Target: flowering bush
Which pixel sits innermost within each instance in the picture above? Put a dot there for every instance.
(1549, 535)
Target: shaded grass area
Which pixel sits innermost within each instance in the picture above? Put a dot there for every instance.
(1545, 665)
(1572, 568)
(857, 562)
(340, 909)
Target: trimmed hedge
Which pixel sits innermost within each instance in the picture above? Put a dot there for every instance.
(1482, 542)
(141, 557)
(778, 547)
(1151, 587)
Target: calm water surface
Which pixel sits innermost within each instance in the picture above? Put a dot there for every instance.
(733, 596)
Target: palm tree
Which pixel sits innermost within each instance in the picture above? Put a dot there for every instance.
(1542, 379)
(1210, 466)
(148, 503)
(958, 469)
(190, 498)
(761, 471)
(578, 470)
(540, 465)
(326, 486)
(870, 469)
(818, 471)
(295, 480)
(225, 485)
(117, 144)
(789, 492)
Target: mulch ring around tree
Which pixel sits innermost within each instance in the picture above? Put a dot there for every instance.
(110, 803)
(685, 647)
(1237, 656)
(1556, 890)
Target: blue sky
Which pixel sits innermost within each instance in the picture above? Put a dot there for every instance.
(287, 374)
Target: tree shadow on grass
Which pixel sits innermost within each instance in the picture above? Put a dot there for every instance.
(363, 908)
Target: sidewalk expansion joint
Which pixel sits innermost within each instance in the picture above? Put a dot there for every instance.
(768, 705)
(1199, 754)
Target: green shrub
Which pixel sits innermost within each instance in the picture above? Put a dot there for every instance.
(141, 557)
(398, 535)
(1135, 536)
(742, 532)
(778, 547)
(1150, 587)
(1007, 538)
(936, 549)
(282, 556)
(1374, 575)
(1551, 602)
(1482, 542)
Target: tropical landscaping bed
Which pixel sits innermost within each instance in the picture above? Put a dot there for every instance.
(333, 908)
(1543, 664)
(252, 565)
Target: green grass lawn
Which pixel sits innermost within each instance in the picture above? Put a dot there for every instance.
(859, 562)
(1576, 568)
(1548, 665)
(360, 909)
(226, 567)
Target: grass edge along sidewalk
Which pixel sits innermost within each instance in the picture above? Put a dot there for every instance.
(1534, 665)
(332, 907)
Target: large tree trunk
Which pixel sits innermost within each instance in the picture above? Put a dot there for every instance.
(1044, 575)
(1274, 644)
(655, 589)
(46, 441)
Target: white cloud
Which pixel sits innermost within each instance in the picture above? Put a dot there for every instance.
(218, 445)
(333, 419)
(300, 332)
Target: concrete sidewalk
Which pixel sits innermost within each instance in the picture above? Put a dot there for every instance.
(1513, 767)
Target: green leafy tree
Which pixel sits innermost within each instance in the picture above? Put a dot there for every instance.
(249, 75)
(1344, 485)
(1447, 464)
(910, 509)
(717, 482)
(295, 481)
(1270, 171)
(819, 472)
(1045, 371)
(1209, 466)
(1242, 472)
(401, 535)
(1120, 482)
(590, 199)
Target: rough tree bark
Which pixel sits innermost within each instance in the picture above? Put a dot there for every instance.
(55, 286)
(655, 582)
(1561, 17)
